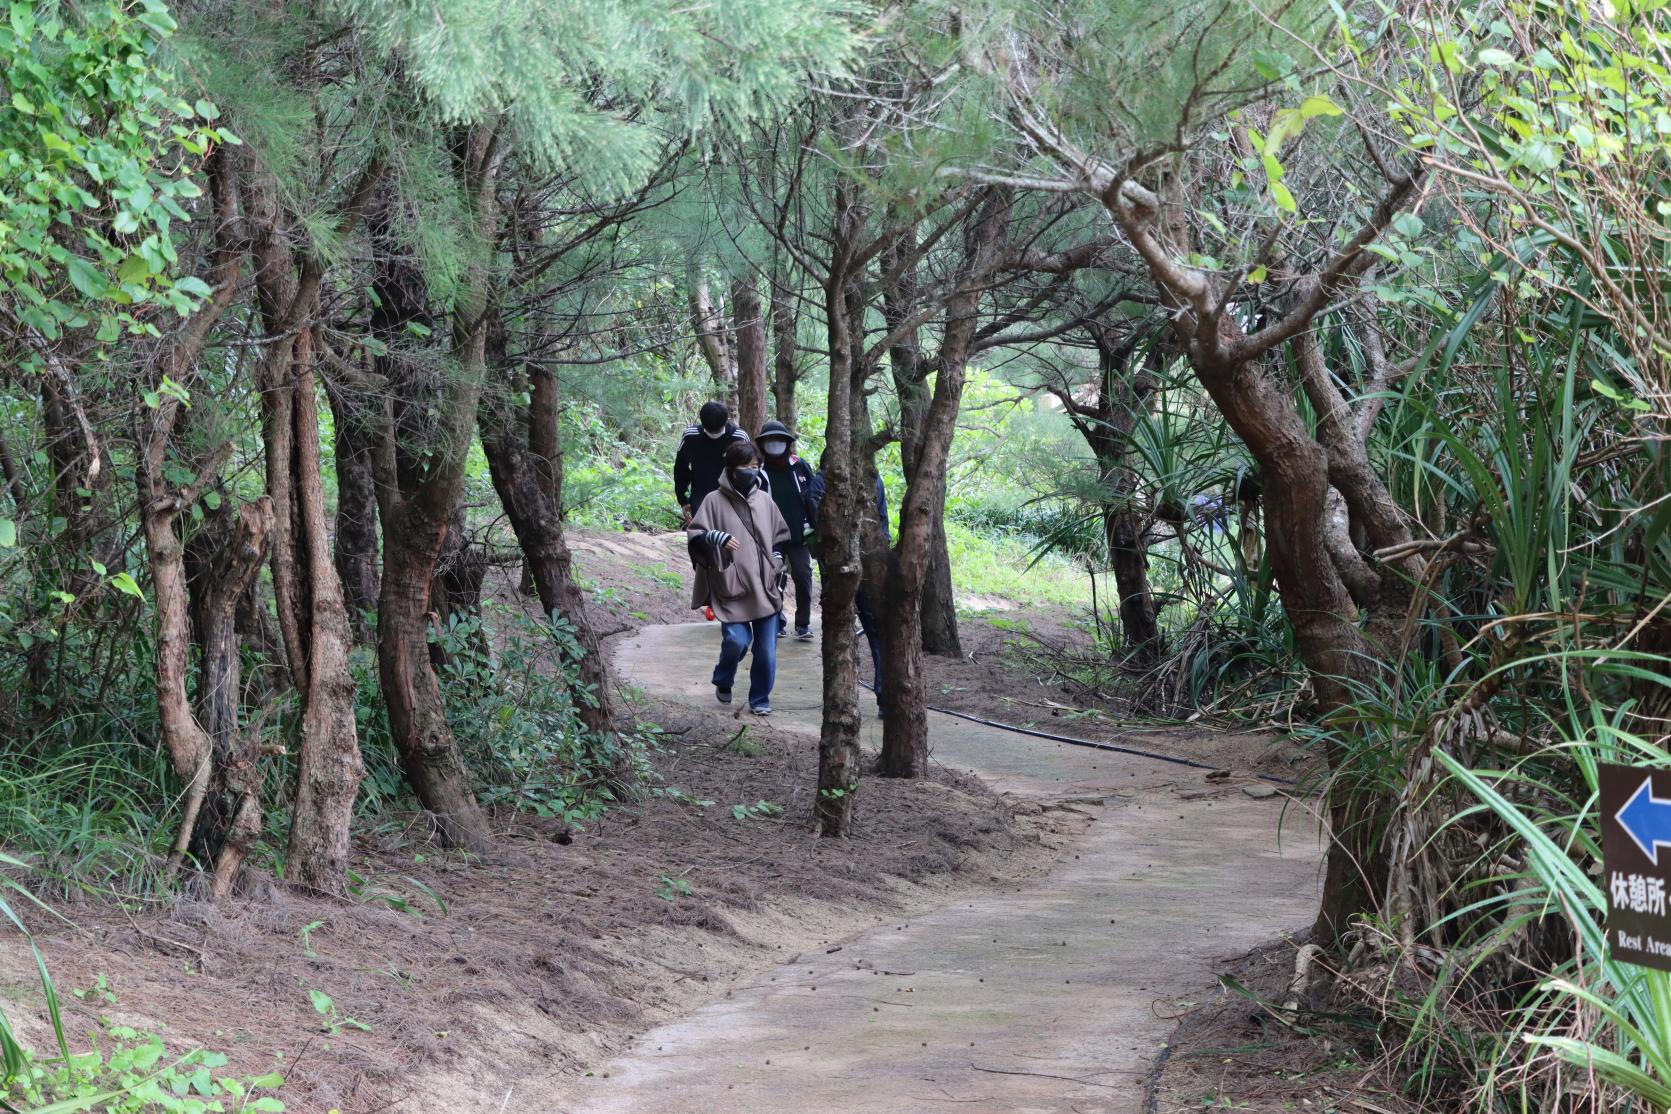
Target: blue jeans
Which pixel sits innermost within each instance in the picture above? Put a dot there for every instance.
(734, 643)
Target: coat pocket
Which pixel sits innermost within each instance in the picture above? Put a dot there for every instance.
(729, 582)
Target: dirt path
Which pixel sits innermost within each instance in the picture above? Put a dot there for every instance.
(1058, 996)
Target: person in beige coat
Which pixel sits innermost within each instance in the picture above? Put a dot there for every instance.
(735, 541)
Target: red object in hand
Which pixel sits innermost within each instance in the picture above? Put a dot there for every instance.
(708, 613)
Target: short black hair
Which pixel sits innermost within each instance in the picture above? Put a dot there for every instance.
(713, 416)
(741, 453)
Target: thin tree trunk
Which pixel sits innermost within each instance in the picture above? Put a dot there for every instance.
(838, 740)
(456, 590)
(81, 475)
(1122, 394)
(936, 621)
(356, 522)
(784, 368)
(750, 322)
(234, 794)
(526, 463)
(312, 613)
(416, 509)
(188, 745)
(712, 337)
(905, 731)
(938, 605)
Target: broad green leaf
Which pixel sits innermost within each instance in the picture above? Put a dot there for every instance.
(23, 20)
(1283, 197)
(1319, 105)
(8, 533)
(123, 582)
(86, 278)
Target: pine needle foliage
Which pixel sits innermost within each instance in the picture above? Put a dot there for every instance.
(599, 87)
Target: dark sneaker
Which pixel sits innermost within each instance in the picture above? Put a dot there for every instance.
(803, 634)
(722, 695)
(760, 709)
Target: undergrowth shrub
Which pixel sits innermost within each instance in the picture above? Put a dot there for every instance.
(512, 687)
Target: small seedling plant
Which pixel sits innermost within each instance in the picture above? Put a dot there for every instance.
(759, 810)
(669, 888)
(334, 1020)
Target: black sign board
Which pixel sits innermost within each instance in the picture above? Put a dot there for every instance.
(1636, 861)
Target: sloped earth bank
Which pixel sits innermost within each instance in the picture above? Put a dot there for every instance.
(1055, 994)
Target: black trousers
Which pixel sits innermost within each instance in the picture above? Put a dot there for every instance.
(867, 623)
(799, 557)
(873, 635)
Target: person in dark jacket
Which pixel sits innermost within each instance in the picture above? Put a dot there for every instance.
(861, 601)
(701, 456)
(791, 482)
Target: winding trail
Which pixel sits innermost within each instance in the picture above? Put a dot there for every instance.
(1058, 996)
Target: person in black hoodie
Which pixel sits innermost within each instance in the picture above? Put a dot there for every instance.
(701, 456)
(792, 482)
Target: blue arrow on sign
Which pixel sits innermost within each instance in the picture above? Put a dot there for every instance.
(1646, 819)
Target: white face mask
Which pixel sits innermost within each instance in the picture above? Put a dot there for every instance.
(713, 435)
(774, 448)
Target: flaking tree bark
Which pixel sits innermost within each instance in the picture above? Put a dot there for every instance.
(230, 821)
(418, 501)
(312, 610)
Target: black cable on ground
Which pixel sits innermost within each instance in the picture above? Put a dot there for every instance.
(1138, 752)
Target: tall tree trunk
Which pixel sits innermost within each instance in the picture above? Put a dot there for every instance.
(329, 766)
(784, 367)
(750, 322)
(356, 522)
(312, 612)
(939, 601)
(417, 718)
(418, 503)
(189, 748)
(1297, 471)
(1122, 394)
(905, 731)
(525, 460)
(936, 619)
(712, 337)
(838, 536)
(230, 822)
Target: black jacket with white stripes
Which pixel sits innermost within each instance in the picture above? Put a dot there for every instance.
(700, 461)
